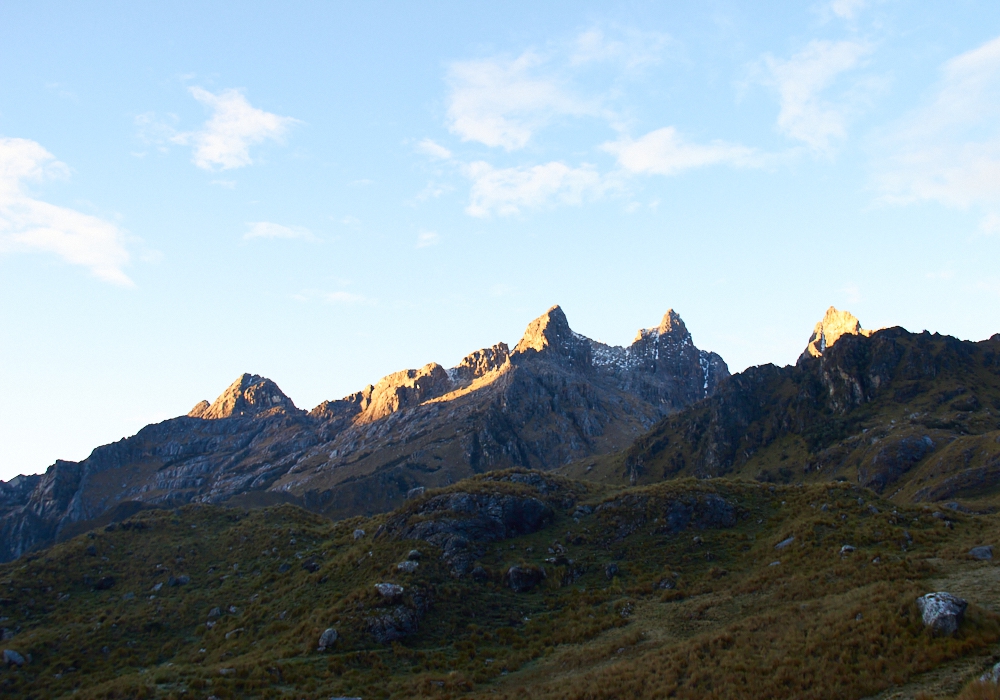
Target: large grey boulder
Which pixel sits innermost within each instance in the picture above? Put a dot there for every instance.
(982, 553)
(389, 591)
(327, 639)
(12, 658)
(942, 612)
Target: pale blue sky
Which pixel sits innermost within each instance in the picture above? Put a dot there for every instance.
(324, 193)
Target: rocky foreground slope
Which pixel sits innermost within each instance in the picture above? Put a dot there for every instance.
(913, 416)
(512, 584)
(556, 397)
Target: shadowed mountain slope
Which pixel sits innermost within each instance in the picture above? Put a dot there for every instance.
(557, 397)
(914, 416)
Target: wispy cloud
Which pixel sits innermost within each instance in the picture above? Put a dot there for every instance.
(434, 150)
(948, 151)
(29, 224)
(633, 48)
(500, 102)
(847, 9)
(223, 142)
(266, 229)
(805, 114)
(427, 238)
(506, 191)
(664, 152)
(340, 297)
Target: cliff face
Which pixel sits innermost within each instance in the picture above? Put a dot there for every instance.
(557, 397)
(915, 416)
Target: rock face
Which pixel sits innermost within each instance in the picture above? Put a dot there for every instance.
(557, 397)
(894, 411)
(942, 612)
(834, 324)
(522, 579)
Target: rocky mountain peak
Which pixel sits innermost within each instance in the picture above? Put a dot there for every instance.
(546, 331)
(550, 336)
(671, 329)
(249, 395)
(835, 323)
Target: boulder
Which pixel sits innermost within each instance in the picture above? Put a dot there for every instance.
(311, 566)
(7, 634)
(393, 625)
(942, 612)
(982, 553)
(480, 575)
(611, 570)
(847, 549)
(389, 591)
(178, 581)
(992, 676)
(327, 639)
(12, 658)
(414, 555)
(359, 533)
(408, 566)
(522, 579)
(784, 543)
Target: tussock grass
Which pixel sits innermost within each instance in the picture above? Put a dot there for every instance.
(731, 626)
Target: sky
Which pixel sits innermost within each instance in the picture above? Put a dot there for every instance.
(326, 192)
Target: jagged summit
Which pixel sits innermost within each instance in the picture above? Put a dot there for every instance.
(249, 395)
(672, 327)
(834, 324)
(546, 331)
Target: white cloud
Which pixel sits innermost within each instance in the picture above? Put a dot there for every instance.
(847, 9)
(948, 151)
(29, 224)
(502, 102)
(427, 239)
(338, 297)
(505, 191)
(990, 224)
(351, 221)
(664, 152)
(634, 49)
(804, 115)
(266, 229)
(225, 139)
(343, 298)
(434, 150)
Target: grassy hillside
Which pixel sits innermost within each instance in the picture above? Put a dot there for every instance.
(673, 589)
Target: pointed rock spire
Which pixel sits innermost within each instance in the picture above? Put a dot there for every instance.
(671, 328)
(834, 325)
(247, 396)
(550, 335)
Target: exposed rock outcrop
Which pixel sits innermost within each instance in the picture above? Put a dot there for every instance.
(834, 325)
(942, 612)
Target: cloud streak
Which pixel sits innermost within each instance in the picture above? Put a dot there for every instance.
(224, 140)
(266, 229)
(28, 224)
(801, 81)
(948, 151)
(500, 103)
(664, 152)
(506, 191)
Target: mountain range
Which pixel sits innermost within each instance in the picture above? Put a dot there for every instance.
(557, 397)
